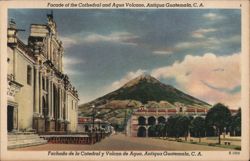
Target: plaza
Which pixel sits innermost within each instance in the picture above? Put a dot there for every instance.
(121, 142)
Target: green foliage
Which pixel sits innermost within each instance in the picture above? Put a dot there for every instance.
(152, 131)
(177, 126)
(235, 126)
(198, 125)
(157, 130)
(219, 117)
(170, 125)
(145, 91)
(182, 126)
(118, 127)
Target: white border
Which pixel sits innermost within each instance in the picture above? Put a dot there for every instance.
(207, 155)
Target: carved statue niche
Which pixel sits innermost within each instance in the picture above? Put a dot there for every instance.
(54, 56)
(44, 47)
(36, 44)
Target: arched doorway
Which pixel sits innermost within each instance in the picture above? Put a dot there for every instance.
(161, 120)
(141, 132)
(151, 120)
(10, 118)
(152, 131)
(141, 120)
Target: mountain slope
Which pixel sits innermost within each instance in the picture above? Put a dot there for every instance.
(145, 88)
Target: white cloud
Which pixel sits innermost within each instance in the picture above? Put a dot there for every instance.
(213, 16)
(70, 61)
(162, 52)
(72, 72)
(116, 37)
(208, 43)
(68, 42)
(119, 83)
(202, 69)
(125, 38)
(200, 33)
(67, 65)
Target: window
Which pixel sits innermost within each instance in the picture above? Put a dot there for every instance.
(43, 83)
(29, 75)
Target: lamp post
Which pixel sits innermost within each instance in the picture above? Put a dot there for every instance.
(125, 123)
(93, 123)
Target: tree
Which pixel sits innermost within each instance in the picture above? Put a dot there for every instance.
(182, 126)
(160, 130)
(177, 126)
(198, 126)
(152, 131)
(235, 126)
(170, 125)
(219, 117)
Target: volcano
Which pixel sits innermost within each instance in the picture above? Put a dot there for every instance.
(139, 91)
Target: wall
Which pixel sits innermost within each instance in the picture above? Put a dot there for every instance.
(10, 63)
(73, 115)
(25, 96)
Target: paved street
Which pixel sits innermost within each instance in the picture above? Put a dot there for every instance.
(122, 142)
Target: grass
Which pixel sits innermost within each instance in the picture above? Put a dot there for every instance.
(235, 147)
(224, 139)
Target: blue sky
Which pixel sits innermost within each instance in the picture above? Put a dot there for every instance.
(195, 50)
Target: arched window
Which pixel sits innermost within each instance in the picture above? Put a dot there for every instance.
(141, 120)
(151, 120)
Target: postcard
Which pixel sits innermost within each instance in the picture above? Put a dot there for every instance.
(124, 80)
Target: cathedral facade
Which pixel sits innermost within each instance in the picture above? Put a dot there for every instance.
(40, 95)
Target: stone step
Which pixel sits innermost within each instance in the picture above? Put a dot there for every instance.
(22, 137)
(14, 145)
(21, 133)
(24, 140)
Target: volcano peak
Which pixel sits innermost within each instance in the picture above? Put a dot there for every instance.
(142, 78)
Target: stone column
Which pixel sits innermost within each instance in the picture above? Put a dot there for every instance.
(36, 110)
(48, 47)
(66, 106)
(60, 105)
(61, 62)
(51, 51)
(52, 99)
(49, 97)
(41, 94)
(15, 118)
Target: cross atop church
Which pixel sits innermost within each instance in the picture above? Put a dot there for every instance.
(50, 16)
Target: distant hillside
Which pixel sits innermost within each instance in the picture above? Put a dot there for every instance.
(141, 90)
